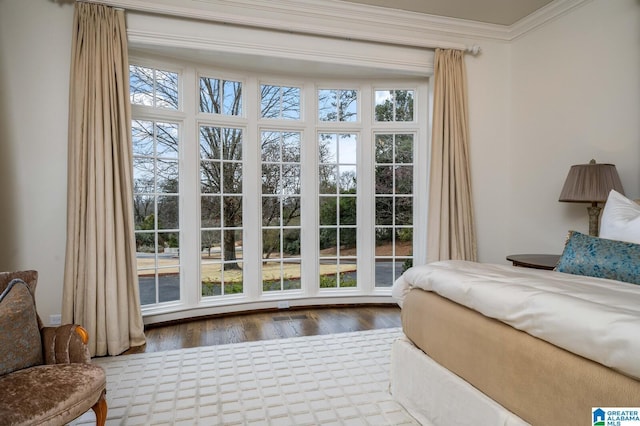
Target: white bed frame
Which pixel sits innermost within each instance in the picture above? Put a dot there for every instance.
(434, 396)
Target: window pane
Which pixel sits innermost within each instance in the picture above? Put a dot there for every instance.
(338, 155)
(141, 85)
(348, 105)
(232, 91)
(404, 179)
(404, 105)
(327, 148)
(143, 175)
(328, 242)
(394, 209)
(384, 148)
(384, 211)
(210, 177)
(404, 211)
(221, 221)
(232, 211)
(384, 180)
(328, 178)
(270, 243)
(348, 209)
(270, 211)
(394, 105)
(232, 144)
(347, 153)
(210, 212)
(271, 179)
(153, 88)
(292, 271)
(220, 96)
(145, 245)
(169, 286)
(167, 176)
(143, 213)
(156, 206)
(327, 105)
(147, 284)
(291, 242)
(271, 146)
(211, 245)
(210, 95)
(142, 138)
(291, 103)
(384, 105)
(328, 211)
(232, 178)
(404, 148)
(337, 105)
(281, 211)
(280, 102)
(168, 252)
(384, 241)
(168, 212)
(210, 143)
(270, 101)
(347, 179)
(167, 140)
(166, 89)
(291, 179)
(291, 147)
(291, 211)
(329, 274)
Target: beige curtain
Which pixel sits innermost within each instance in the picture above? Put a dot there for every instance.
(100, 281)
(451, 228)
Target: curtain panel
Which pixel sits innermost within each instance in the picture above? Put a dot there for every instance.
(100, 281)
(451, 227)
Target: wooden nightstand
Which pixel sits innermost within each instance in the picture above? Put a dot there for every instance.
(535, 261)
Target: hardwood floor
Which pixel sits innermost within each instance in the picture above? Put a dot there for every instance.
(268, 325)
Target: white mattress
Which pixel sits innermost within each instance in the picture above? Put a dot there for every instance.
(592, 317)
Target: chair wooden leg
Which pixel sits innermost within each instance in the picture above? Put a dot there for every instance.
(100, 408)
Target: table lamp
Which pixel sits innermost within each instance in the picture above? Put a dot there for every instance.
(591, 183)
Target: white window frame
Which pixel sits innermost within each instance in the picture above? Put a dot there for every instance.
(191, 303)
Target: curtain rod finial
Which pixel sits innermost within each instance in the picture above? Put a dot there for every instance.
(474, 50)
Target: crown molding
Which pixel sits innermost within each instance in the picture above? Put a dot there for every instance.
(545, 14)
(312, 52)
(338, 19)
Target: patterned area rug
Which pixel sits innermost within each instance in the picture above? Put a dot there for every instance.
(335, 379)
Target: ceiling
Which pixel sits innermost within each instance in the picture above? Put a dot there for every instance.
(502, 12)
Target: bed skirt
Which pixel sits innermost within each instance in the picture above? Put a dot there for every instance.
(434, 396)
(538, 382)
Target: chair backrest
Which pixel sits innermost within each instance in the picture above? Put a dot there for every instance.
(29, 277)
(20, 340)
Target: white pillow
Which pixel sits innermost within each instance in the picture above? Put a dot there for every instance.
(620, 219)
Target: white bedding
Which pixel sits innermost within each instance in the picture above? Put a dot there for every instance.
(596, 318)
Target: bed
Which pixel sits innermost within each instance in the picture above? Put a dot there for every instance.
(489, 344)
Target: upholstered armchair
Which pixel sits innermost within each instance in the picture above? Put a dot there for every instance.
(46, 375)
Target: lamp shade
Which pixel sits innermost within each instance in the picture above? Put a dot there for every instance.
(590, 183)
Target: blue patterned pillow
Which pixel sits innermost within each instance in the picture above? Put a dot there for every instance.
(601, 258)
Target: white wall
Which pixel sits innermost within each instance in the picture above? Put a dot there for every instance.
(35, 47)
(488, 77)
(575, 95)
(558, 96)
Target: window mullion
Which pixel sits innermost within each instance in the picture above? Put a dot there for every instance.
(252, 195)
(309, 190)
(190, 205)
(365, 202)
